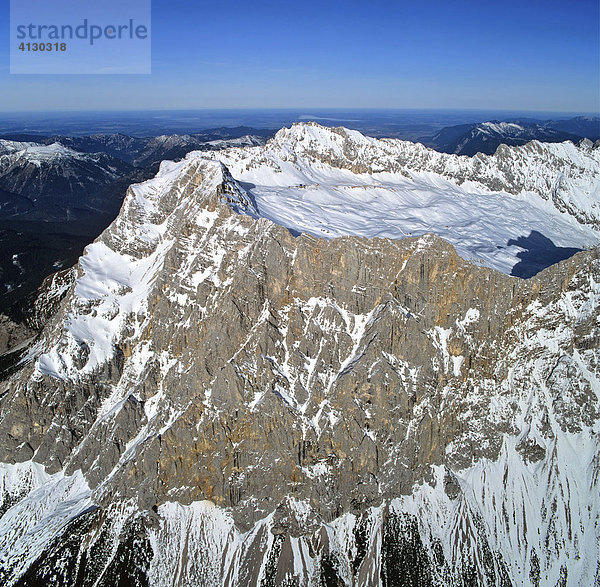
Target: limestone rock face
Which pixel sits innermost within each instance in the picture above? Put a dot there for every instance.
(12, 334)
(219, 402)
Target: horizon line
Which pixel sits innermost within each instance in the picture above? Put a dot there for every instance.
(289, 108)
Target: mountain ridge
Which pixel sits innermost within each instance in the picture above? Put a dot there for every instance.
(486, 137)
(219, 396)
(493, 209)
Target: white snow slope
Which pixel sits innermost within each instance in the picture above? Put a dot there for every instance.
(334, 182)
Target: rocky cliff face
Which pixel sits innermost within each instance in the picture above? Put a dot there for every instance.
(217, 401)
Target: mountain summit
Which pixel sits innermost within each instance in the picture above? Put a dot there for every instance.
(332, 182)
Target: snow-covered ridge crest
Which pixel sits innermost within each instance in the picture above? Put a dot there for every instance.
(7, 146)
(38, 153)
(500, 127)
(563, 173)
(118, 271)
(333, 182)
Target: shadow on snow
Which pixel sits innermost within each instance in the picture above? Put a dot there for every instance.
(540, 252)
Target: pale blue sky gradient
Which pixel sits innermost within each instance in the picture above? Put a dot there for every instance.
(473, 54)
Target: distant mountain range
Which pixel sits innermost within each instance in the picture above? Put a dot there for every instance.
(486, 137)
(51, 181)
(57, 193)
(146, 151)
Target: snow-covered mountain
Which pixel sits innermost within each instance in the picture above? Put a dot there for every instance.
(56, 181)
(486, 137)
(333, 182)
(58, 193)
(53, 201)
(147, 151)
(177, 146)
(219, 401)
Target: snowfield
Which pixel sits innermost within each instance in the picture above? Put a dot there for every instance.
(310, 179)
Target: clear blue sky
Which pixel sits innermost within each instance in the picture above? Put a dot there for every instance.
(487, 54)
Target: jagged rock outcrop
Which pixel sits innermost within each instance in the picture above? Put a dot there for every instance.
(12, 334)
(218, 401)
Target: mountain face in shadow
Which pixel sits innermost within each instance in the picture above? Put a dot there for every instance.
(486, 137)
(540, 252)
